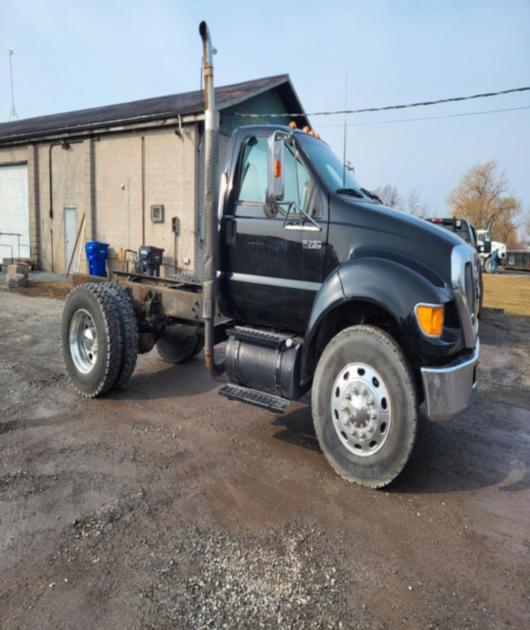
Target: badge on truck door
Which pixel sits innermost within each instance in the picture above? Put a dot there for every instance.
(312, 244)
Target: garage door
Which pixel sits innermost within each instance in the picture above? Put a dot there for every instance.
(14, 211)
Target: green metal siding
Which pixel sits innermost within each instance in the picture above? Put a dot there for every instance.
(266, 103)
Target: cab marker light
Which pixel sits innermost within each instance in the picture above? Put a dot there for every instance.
(430, 318)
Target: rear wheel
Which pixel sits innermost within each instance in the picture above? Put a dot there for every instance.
(178, 349)
(364, 406)
(91, 340)
(128, 329)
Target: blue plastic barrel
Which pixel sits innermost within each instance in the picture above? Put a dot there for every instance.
(97, 254)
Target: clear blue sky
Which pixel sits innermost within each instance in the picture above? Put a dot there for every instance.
(72, 54)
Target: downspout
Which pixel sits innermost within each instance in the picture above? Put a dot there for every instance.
(50, 187)
(142, 179)
(211, 153)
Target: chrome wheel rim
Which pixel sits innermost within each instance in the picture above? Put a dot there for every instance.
(83, 341)
(361, 409)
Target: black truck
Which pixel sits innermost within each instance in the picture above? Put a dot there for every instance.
(316, 287)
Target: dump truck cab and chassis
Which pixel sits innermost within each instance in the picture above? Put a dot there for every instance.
(316, 287)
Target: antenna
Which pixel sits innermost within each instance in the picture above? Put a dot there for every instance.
(345, 127)
(13, 113)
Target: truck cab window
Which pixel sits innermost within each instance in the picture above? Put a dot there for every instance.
(298, 182)
(253, 173)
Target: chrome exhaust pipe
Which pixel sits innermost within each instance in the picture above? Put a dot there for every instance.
(211, 237)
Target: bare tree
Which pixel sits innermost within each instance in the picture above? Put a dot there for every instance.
(482, 197)
(416, 205)
(389, 195)
(524, 231)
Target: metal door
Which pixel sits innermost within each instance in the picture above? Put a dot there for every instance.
(262, 276)
(14, 211)
(70, 232)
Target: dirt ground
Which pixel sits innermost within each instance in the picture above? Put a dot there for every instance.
(50, 289)
(167, 506)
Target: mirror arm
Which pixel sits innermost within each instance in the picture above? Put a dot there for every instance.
(290, 205)
(310, 218)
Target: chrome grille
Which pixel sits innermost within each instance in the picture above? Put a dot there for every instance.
(465, 281)
(469, 288)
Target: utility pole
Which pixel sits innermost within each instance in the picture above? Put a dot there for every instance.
(13, 113)
(345, 129)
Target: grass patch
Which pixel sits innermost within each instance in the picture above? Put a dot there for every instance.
(507, 291)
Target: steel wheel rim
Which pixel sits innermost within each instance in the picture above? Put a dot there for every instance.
(83, 341)
(361, 409)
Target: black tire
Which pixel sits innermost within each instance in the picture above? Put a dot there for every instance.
(146, 342)
(375, 348)
(128, 328)
(177, 350)
(100, 306)
(199, 345)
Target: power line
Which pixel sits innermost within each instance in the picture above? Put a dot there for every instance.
(400, 120)
(364, 110)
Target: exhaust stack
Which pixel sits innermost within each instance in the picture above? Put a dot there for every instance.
(211, 237)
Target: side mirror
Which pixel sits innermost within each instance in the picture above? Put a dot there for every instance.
(275, 181)
(487, 246)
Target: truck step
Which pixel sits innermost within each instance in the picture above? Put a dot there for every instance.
(270, 402)
(267, 338)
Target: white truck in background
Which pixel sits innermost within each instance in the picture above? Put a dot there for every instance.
(491, 253)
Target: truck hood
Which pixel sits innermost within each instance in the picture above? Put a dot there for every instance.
(361, 228)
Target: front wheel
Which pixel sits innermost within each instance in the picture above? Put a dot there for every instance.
(364, 406)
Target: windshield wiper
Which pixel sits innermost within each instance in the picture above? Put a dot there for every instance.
(372, 195)
(350, 191)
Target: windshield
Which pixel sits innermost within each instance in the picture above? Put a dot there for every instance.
(328, 165)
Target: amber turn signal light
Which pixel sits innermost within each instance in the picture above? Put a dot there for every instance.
(430, 319)
(277, 168)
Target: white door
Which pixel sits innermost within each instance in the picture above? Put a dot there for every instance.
(14, 212)
(70, 232)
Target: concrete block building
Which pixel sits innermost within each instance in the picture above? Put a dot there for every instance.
(119, 174)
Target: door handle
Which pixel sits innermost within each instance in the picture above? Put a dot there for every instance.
(303, 227)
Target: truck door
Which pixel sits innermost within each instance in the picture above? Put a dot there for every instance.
(262, 262)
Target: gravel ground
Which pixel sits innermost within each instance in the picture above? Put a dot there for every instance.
(166, 506)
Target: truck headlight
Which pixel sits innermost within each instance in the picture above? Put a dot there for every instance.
(430, 318)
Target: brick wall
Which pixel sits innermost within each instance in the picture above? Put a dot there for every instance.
(69, 189)
(102, 179)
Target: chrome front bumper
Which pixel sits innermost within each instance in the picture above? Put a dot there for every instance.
(449, 390)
